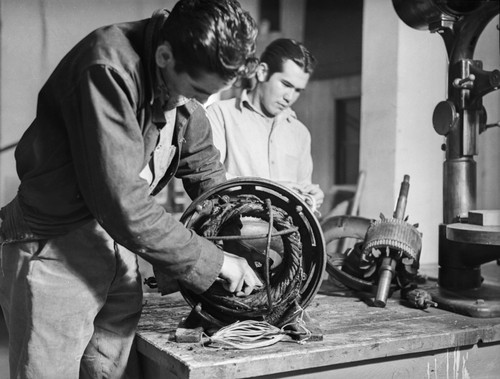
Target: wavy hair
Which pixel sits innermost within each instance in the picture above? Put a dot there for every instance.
(215, 36)
(285, 48)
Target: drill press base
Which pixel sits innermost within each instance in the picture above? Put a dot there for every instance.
(483, 302)
(465, 250)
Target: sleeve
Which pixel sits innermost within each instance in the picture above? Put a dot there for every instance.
(218, 126)
(200, 167)
(305, 169)
(108, 154)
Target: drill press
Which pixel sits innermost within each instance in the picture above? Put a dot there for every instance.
(463, 245)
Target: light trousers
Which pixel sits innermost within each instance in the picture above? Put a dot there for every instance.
(71, 305)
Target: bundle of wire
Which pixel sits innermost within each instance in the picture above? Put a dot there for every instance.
(275, 302)
(251, 334)
(247, 334)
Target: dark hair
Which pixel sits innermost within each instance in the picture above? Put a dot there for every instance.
(215, 36)
(284, 48)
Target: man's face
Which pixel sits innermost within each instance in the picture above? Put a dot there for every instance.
(199, 88)
(183, 84)
(282, 89)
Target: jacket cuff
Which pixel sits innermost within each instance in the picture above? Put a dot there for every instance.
(206, 270)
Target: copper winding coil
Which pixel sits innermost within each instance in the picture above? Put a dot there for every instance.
(394, 234)
(284, 284)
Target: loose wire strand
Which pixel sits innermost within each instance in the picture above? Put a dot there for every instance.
(301, 324)
(266, 263)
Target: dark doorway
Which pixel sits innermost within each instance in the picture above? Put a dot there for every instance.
(347, 140)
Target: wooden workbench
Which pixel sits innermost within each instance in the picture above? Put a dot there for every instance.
(359, 341)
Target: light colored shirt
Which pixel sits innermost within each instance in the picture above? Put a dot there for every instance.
(165, 149)
(252, 144)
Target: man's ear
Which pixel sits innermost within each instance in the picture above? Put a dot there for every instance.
(164, 56)
(262, 72)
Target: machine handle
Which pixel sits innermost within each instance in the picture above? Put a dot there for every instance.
(462, 83)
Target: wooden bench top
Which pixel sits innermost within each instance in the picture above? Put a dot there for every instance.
(353, 333)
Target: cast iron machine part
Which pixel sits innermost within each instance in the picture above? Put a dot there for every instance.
(277, 233)
(386, 256)
(460, 118)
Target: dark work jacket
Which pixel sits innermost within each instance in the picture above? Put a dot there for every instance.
(96, 127)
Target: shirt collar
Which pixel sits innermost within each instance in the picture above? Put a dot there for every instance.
(244, 101)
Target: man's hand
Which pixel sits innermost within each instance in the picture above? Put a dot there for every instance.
(311, 193)
(316, 192)
(239, 278)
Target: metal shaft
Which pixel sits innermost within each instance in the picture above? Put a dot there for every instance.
(386, 271)
(399, 213)
(388, 266)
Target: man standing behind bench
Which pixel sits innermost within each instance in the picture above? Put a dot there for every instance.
(258, 134)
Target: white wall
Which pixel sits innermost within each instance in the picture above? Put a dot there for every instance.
(403, 78)
(35, 35)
